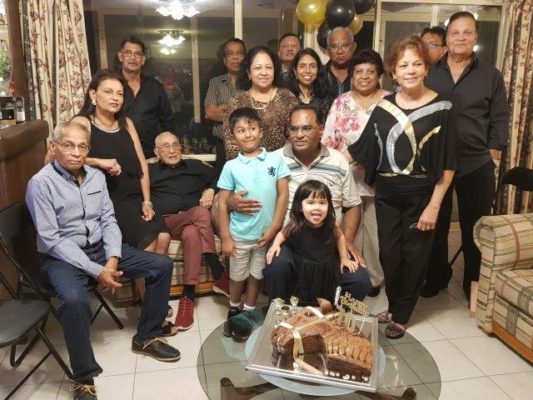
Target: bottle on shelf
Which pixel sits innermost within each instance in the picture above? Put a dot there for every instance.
(20, 113)
(9, 110)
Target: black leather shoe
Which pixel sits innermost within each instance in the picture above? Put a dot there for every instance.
(84, 392)
(156, 348)
(374, 292)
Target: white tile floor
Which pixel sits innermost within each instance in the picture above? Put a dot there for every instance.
(472, 365)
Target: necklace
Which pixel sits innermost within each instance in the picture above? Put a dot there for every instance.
(367, 102)
(305, 97)
(113, 129)
(262, 104)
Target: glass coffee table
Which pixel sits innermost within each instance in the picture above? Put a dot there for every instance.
(406, 371)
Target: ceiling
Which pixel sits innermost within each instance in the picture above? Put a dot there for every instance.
(202, 5)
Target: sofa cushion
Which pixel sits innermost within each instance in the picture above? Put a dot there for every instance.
(514, 321)
(516, 287)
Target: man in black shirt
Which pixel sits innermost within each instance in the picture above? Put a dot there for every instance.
(341, 47)
(145, 100)
(183, 191)
(289, 46)
(478, 94)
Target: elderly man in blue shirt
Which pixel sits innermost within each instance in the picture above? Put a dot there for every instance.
(79, 241)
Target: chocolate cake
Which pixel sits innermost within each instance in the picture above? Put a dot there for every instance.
(344, 353)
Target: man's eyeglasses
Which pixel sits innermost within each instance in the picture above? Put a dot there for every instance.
(305, 129)
(341, 47)
(168, 147)
(432, 45)
(131, 54)
(70, 147)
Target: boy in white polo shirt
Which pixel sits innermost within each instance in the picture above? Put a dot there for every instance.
(244, 237)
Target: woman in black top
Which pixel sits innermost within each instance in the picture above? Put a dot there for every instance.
(308, 80)
(116, 150)
(408, 152)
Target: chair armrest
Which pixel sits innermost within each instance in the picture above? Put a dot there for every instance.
(505, 242)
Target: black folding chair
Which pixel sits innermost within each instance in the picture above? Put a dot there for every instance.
(20, 319)
(520, 177)
(17, 237)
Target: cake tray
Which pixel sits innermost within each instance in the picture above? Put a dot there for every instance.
(261, 357)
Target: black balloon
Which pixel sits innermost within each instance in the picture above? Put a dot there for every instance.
(340, 13)
(322, 34)
(362, 6)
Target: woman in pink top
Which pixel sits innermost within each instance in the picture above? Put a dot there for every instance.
(346, 120)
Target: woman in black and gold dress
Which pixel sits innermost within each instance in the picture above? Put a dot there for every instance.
(408, 152)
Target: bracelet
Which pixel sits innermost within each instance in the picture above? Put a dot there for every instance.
(148, 203)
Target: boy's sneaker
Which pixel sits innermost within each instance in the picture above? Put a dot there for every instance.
(185, 317)
(228, 328)
(221, 285)
(247, 322)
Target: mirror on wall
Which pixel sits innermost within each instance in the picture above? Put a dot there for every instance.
(5, 59)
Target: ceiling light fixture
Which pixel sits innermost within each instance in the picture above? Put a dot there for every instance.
(170, 40)
(178, 9)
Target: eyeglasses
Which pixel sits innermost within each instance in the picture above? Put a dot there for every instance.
(341, 47)
(431, 45)
(168, 147)
(305, 129)
(70, 147)
(132, 54)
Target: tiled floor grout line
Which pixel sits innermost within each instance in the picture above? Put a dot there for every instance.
(492, 380)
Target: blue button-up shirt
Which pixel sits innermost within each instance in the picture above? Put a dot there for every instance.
(69, 216)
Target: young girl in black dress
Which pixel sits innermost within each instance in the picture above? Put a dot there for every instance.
(317, 243)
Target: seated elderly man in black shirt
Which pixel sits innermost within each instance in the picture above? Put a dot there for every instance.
(183, 191)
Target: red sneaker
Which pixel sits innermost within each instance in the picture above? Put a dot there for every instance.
(185, 317)
(221, 285)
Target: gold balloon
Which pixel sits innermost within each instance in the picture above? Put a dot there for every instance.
(356, 25)
(311, 12)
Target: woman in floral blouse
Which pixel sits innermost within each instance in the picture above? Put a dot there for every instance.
(258, 73)
(346, 120)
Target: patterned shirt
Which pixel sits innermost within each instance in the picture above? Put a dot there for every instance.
(69, 216)
(219, 92)
(274, 119)
(344, 125)
(331, 168)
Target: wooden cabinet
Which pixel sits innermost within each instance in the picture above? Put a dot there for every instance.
(22, 151)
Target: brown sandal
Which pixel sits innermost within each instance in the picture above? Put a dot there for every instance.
(394, 330)
(384, 317)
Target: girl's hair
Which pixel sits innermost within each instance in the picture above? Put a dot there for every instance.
(244, 82)
(244, 113)
(320, 85)
(88, 110)
(313, 189)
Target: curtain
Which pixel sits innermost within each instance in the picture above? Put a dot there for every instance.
(518, 76)
(56, 57)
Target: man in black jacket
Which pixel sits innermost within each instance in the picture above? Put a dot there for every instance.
(145, 100)
(478, 94)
